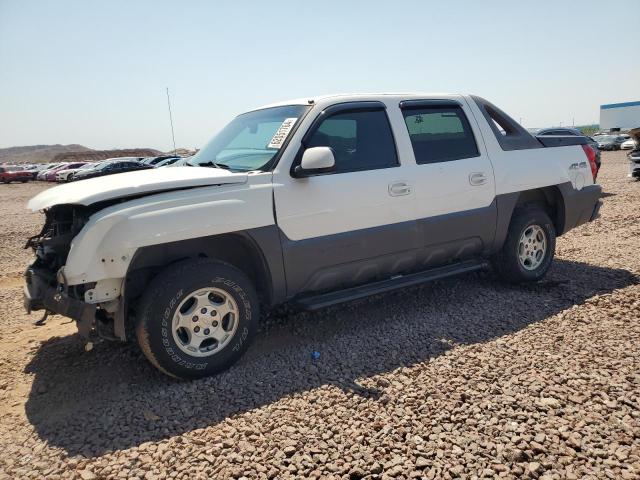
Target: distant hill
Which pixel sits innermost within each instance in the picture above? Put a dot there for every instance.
(97, 155)
(36, 153)
(67, 153)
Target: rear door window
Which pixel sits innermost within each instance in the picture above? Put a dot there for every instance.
(439, 134)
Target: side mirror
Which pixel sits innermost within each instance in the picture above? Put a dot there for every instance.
(315, 160)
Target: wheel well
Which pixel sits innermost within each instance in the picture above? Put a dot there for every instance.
(237, 249)
(550, 199)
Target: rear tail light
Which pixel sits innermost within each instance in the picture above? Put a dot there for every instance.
(591, 155)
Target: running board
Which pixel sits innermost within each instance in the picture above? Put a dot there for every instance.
(316, 302)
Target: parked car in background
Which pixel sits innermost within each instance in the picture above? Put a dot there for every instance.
(10, 174)
(167, 161)
(51, 175)
(33, 170)
(634, 155)
(110, 167)
(64, 175)
(609, 142)
(628, 144)
(85, 168)
(43, 172)
(181, 162)
(564, 131)
(156, 160)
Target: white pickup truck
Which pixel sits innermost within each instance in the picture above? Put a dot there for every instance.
(311, 202)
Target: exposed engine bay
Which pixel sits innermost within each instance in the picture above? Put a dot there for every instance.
(51, 246)
(46, 286)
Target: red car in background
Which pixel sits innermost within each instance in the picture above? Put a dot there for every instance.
(50, 176)
(13, 174)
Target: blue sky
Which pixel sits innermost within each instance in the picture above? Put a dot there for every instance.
(95, 73)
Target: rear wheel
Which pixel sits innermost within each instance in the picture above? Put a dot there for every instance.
(529, 248)
(197, 318)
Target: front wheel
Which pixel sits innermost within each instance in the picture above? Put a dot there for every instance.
(529, 248)
(197, 318)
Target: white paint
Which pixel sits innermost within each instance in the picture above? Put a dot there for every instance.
(104, 291)
(92, 190)
(518, 170)
(105, 246)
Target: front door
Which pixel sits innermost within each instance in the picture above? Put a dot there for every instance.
(352, 225)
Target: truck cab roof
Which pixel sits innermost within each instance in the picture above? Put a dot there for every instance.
(358, 97)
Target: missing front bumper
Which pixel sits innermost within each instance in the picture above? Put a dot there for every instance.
(38, 294)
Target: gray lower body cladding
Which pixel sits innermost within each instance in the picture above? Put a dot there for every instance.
(574, 208)
(580, 206)
(351, 258)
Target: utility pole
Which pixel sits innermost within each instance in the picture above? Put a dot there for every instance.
(173, 137)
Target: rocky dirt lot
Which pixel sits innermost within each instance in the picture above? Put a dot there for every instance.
(464, 378)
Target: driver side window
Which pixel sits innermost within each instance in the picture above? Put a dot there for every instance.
(360, 140)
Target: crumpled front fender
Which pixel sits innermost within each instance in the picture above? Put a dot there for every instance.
(106, 244)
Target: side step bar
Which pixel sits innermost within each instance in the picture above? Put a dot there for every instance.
(317, 302)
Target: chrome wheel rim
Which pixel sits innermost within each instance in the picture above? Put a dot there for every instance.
(532, 247)
(205, 322)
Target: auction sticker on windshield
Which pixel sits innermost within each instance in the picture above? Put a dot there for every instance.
(281, 134)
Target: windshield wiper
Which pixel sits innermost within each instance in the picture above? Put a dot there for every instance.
(210, 164)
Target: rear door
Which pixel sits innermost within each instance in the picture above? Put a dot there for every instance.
(452, 179)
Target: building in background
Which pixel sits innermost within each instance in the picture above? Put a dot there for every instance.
(621, 116)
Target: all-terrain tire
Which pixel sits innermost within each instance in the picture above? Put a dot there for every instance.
(168, 291)
(507, 261)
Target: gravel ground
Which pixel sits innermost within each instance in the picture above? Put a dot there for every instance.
(464, 378)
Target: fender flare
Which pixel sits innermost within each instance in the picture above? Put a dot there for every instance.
(256, 251)
(567, 207)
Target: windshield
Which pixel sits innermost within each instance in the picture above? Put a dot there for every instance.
(604, 138)
(251, 140)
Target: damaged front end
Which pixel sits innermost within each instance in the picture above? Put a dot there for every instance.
(46, 287)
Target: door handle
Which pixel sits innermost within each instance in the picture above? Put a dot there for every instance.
(397, 189)
(477, 178)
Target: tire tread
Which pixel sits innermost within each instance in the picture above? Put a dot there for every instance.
(165, 280)
(504, 262)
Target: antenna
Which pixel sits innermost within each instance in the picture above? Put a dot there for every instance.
(171, 121)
